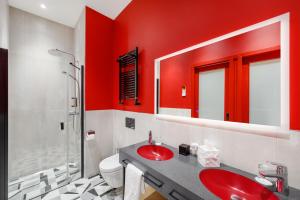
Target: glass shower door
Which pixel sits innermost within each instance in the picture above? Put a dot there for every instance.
(73, 126)
(45, 139)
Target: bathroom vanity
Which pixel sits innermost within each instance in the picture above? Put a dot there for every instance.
(178, 177)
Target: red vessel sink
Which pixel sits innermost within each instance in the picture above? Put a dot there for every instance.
(229, 185)
(154, 152)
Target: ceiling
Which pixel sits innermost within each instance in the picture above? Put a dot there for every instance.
(67, 12)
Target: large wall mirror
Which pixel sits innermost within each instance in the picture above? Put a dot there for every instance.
(239, 77)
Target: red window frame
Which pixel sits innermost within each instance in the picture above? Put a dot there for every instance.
(229, 65)
(236, 99)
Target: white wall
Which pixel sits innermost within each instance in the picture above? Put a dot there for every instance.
(101, 122)
(4, 17)
(37, 93)
(240, 150)
(79, 37)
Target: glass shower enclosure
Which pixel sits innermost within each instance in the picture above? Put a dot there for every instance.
(45, 133)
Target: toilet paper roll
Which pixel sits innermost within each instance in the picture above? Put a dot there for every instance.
(90, 135)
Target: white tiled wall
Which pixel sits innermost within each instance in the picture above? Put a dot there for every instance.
(239, 150)
(102, 146)
(4, 10)
(79, 37)
(36, 93)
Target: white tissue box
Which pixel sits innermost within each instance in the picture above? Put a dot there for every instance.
(209, 162)
(208, 156)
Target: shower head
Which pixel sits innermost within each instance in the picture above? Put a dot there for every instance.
(60, 53)
(56, 52)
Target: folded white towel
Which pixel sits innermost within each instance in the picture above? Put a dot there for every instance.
(208, 156)
(133, 183)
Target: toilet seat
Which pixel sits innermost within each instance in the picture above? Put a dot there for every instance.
(110, 164)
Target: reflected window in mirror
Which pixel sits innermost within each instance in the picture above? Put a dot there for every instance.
(212, 91)
(211, 94)
(264, 92)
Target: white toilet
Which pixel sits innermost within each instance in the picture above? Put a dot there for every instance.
(112, 171)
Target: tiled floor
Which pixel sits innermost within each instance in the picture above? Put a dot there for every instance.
(85, 189)
(30, 160)
(34, 187)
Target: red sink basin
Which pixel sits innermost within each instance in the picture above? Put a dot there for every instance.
(154, 152)
(229, 185)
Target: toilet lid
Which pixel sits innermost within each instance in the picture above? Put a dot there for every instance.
(110, 164)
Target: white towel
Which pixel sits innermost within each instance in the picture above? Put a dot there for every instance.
(133, 183)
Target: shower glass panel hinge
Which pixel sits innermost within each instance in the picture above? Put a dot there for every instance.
(74, 102)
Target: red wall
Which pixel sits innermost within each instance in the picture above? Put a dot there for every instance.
(177, 71)
(99, 76)
(161, 27)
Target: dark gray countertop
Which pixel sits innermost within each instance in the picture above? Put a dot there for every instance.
(184, 170)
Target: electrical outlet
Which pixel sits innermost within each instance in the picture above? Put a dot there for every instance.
(130, 123)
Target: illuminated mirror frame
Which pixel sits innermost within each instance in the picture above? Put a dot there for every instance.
(281, 131)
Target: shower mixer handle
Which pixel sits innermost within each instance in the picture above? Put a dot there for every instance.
(74, 102)
(73, 64)
(62, 126)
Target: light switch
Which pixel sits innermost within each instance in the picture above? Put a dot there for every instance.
(183, 92)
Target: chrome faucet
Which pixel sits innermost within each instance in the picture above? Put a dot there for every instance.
(150, 141)
(277, 174)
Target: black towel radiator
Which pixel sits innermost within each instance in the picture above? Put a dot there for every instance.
(128, 77)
